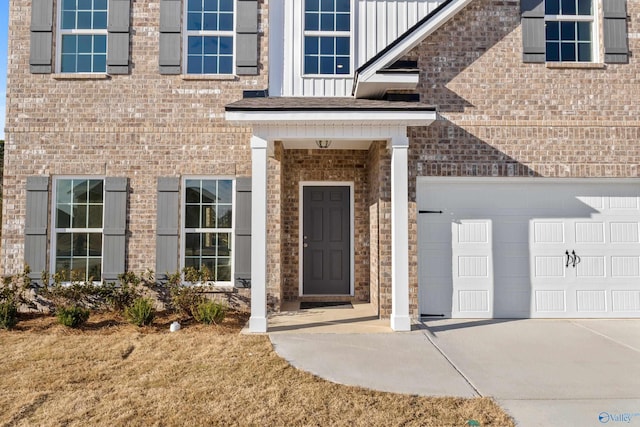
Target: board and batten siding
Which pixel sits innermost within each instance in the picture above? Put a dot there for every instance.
(377, 24)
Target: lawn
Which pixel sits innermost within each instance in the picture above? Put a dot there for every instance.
(112, 373)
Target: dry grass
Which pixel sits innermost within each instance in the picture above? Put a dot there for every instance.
(111, 373)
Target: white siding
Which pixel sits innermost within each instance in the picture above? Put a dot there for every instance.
(377, 23)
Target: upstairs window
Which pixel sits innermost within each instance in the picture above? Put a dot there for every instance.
(83, 36)
(327, 37)
(210, 36)
(569, 30)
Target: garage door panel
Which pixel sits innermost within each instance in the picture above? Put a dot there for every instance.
(508, 242)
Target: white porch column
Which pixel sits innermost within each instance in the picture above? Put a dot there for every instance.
(400, 319)
(258, 319)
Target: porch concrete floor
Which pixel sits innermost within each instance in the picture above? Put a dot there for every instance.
(361, 319)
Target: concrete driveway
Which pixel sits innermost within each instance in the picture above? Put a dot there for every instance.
(543, 372)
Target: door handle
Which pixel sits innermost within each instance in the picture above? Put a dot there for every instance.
(572, 259)
(576, 259)
(304, 245)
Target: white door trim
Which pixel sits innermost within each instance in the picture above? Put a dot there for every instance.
(351, 186)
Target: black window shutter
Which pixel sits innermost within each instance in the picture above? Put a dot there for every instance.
(118, 37)
(616, 49)
(247, 37)
(533, 33)
(35, 229)
(114, 228)
(41, 36)
(170, 37)
(167, 227)
(243, 230)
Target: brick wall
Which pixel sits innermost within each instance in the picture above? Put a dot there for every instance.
(324, 165)
(141, 126)
(501, 117)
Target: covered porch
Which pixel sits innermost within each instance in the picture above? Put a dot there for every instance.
(304, 149)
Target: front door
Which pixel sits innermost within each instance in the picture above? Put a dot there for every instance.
(326, 240)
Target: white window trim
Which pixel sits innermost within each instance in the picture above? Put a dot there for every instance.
(55, 230)
(183, 229)
(352, 231)
(319, 33)
(594, 18)
(185, 41)
(76, 32)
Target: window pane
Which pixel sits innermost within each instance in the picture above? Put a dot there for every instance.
(210, 5)
(79, 268)
(94, 269)
(343, 6)
(194, 65)
(327, 45)
(85, 5)
(100, 44)
(194, 47)
(327, 22)
(552, 29)
(568, 7)
(210, 265)
(79, 219)
(95, 191)
(584, 52)
(311, 22)
(342, 22)
(208, 244)
(63, 244)
(327, 5)
(342, 65)
(312, 5)
(552, 7)
(210, 45)
(224, 216)
(192, 191)
(63, 216)
(68, 20)
(226, 5)
(327, 65)
(80, 191)
(225, 190)
(63, 264)
(95, 216)
(192, 216)
(210, 22)
(95, 244)
(192, 244)
(224, 247)
(99, 63)
(210, 65)
(568, 30)
(553, 52)
(226, 22)
(100, 20)
(192, 262)
(342, 45)
(79, 244)
(225, 65)
(68, 64)
(311, 64)
(100, 4)
(194, 22)
(568, 52)
(226, 45)
(69, 5)
(85, 44)
(69, 44)
(223, 273)
(194, 5)
(84, 64)
(584, 31)
(311, 45)
(63, 191)
(84, 20)
(584, 7)
(208, 217)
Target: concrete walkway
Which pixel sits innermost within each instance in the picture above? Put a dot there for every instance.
(543, 372)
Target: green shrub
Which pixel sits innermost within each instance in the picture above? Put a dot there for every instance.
(141, 312)
(185, 298)
(209, 312)
(72, 316)
(8, 315)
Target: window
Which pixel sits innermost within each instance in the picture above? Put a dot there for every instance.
(210, 33)
(208, 227)
(327, 37)
(569, 30)
(78, 227)
(83, 36)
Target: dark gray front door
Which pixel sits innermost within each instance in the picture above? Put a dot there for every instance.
(326, 241)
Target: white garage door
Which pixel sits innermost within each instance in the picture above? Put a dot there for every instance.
(518, 248)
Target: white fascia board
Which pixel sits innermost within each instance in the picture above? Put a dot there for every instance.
(414, 38)
(396, 117)
(381, 83)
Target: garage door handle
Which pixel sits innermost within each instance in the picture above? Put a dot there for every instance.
(428, 212)
(576, 259)
(572, 259)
